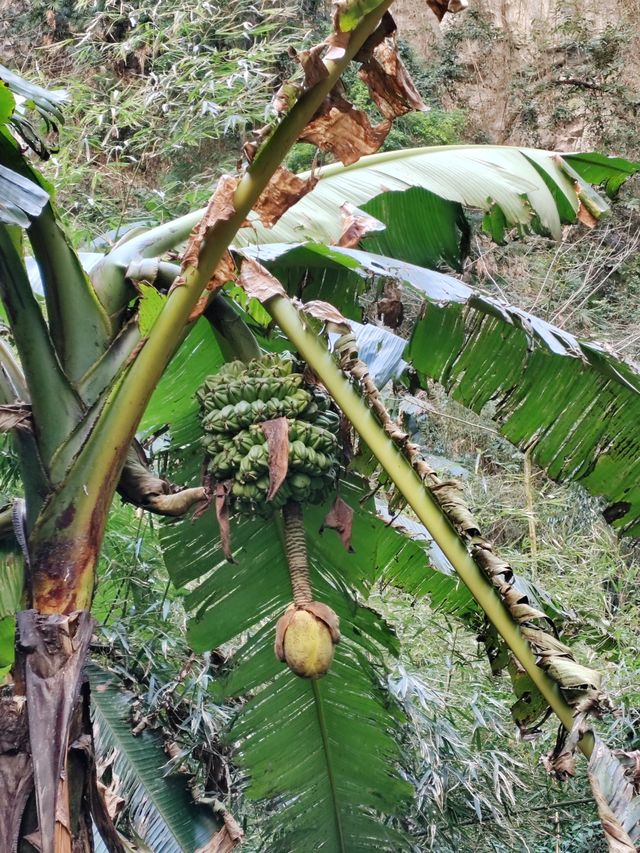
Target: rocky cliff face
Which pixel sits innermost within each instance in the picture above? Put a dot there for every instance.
(541, 72)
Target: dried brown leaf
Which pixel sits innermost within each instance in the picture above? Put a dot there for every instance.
(389, 82)
(226, 839)
(220, 208)
(113, 802)
(344, 131)
(282, 192)
(326, 313)
(15, 416)
(54, 649)
(327, 615)
(337, 44)
(340, 518)
(276, 432)
(314, 68)
(385, 28)
(618, 806)
(224, 272)
(356, 224)
(586, 217)
(222, 514)
(441, 7)
(258, 281)
(390, 308)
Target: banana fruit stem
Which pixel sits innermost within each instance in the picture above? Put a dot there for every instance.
(295, 547)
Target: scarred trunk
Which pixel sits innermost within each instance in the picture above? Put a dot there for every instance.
(49, 790)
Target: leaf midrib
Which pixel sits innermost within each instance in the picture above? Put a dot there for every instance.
(324, 734)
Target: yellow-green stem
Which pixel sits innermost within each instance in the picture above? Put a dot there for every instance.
(316, 355)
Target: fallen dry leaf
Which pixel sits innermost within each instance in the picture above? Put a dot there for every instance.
(276, 432)
(258, 281)
(340, 518)
(282, 192)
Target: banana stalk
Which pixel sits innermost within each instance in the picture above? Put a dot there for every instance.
(308, 631)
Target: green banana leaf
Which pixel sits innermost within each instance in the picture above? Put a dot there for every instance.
(512, 186)
(159, 806)
(576, 405)
(326, 750)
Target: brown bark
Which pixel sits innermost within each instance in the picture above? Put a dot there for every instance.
(48, 789)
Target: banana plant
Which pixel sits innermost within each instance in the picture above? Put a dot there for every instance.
(104, 361)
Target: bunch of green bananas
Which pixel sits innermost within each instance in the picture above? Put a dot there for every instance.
(234, 404)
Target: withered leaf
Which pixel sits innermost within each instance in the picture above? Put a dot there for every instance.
(340, 518)
(356, 224)
(441, 7)
(222, 514)
(283, 190)
(224, 272)
(389, 82)
(391, 312)
(226, 839)
(219, 208)
(586, 217)
(276, 432)
(327, 313)
(314, 68)
(54, 648)
(258, 281)
(615, 799)
(385, 28)
(327, 615)
(344, 131)
(337, 44)
(15, 416)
